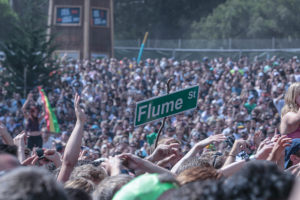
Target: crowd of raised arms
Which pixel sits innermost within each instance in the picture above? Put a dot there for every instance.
(242, 141)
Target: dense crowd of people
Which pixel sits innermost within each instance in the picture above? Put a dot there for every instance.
(234, 145)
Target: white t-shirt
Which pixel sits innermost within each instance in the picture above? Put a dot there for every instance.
(279, 105)
(48, 144)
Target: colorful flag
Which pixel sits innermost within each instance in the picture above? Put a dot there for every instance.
(51, 120)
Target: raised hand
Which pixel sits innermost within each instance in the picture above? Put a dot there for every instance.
(83, 155)
(165, 161)
(163, 151)
(257, 138)
(264, 152)
(279, 147)
(52, 155)
(112, 165)
(131, 161)
(3, 128)
(31, 160)
(238, 146)
(29, 96)
(263, 143)
(81, 117)
(276, 136)
(20, 140)
(211, 139)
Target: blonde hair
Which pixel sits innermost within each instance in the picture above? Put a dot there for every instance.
(89, 172)
(290, 104)
(81, 183)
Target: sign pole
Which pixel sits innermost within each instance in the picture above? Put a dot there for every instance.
(164, 120)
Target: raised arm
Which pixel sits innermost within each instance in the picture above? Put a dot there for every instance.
(136, 163)
(20, 141)
(41, 117)
(238, 146)
(73, 146)
(236, 166)
(5, 135)
(29, 98)
(197, 147)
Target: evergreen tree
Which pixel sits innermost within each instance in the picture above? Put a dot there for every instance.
(7, 17)
(27, 50)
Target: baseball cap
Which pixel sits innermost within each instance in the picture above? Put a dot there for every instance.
(279, 84)
(205, 59)
(176, 63)
(276, 73)
(236, 68)
(95, 127)
(144, 187)
(250, 97)
(290, 150)
(40, 153)
(260, 74)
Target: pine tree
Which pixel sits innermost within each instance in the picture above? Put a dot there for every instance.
(28, 52)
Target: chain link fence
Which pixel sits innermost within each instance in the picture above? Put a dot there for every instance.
(271, 43)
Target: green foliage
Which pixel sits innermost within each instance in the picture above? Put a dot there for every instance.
(27, 48)
(250, 19)
(7, 17)
(167, 19)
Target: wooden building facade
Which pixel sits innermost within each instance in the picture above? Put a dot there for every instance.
(84, 28)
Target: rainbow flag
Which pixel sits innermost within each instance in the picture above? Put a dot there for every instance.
(51, 120)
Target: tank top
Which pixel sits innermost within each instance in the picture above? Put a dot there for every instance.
(32, 125)
(295, 134)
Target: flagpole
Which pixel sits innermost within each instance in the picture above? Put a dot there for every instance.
(142, 47)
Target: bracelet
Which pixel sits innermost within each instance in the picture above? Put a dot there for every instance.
(232, 155)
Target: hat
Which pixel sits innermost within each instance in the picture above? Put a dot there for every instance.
(276, 74)
(236, 68)
(176, 63)
(147, 186)
(290, 150)
(205, 59)
(95, 127)
(279, 85)
(59, 147)
(246, 69)
(103, 146)
(40, 153)
(260, 74)
(240, 125)
(250, 97)
(196, 134)
(138, 70)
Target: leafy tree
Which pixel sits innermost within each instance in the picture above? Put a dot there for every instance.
(250, 19)
(7, 17)
(27, 51)
(167, 19)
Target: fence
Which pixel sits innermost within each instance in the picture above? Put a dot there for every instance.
(197, 49)
(272, 43)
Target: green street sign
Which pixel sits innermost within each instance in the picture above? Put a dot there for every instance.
(163, 106)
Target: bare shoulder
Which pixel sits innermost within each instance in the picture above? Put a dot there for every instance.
(289, 115)
(290, 118)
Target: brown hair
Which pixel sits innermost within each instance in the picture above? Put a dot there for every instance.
(198, 173)
(89, 172)
(192, 162)
(215, 160)
(81, 183)
(174, 140)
